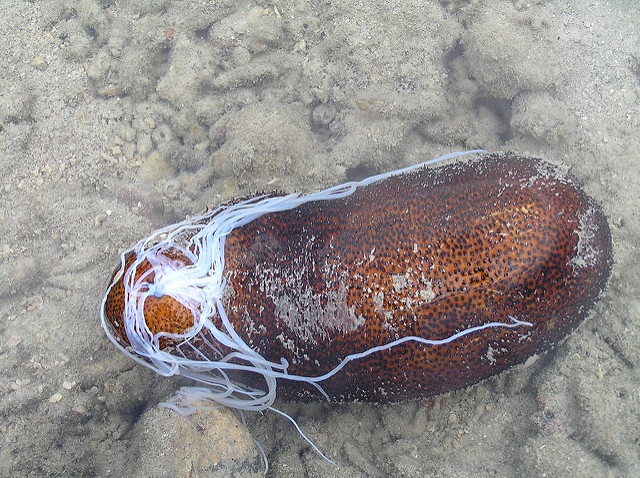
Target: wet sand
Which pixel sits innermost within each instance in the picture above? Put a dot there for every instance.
(116, 119)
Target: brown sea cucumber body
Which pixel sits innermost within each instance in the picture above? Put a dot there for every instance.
(428, 253)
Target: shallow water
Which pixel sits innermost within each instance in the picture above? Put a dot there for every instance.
(116, 119)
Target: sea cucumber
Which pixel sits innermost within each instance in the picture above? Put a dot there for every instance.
(404, 285)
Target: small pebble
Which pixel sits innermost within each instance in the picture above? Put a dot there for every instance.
(99, 219)
(150, 122)
(39, 63)
(55, 398)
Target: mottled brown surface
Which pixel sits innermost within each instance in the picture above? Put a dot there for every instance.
(163, 314)
(429, 253)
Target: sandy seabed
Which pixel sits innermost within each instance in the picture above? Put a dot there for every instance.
(117, 118)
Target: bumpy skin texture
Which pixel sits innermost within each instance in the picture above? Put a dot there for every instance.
(428, 253)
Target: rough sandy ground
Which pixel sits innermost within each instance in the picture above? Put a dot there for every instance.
(116, 118)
